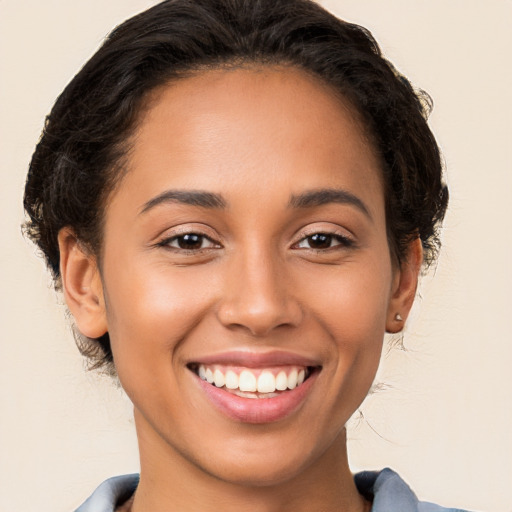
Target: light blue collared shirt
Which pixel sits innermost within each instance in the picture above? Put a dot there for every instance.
(385, 488)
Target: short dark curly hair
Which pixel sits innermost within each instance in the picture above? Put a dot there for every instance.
(79, 158)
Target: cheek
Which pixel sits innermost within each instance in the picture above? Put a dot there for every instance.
(150, 313)
(353, 303)
(352, 308)
(150, 310)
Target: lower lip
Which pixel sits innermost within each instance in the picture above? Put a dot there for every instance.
(257, 410)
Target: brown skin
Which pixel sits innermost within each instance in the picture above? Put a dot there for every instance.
(257, 136)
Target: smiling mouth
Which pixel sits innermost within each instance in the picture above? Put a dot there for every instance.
(253, 382)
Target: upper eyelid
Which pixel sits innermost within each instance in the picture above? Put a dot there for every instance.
(333, 231)
(189, 229)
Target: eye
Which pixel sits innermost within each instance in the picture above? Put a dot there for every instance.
(323, 241)
(189, 242)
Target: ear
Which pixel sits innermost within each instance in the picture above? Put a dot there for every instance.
(404, 287)
(81, 283)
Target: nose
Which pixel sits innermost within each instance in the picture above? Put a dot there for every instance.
(258, 296)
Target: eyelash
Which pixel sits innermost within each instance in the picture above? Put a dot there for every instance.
(167, 242)
(342, 242)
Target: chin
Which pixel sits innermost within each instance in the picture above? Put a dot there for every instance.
(257, 471)
(271, 460)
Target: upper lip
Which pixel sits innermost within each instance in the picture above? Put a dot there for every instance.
(251, 359)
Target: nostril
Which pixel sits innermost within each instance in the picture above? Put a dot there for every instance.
(256, 296)
(260, 319)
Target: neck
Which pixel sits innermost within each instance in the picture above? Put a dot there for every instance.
(171, 482)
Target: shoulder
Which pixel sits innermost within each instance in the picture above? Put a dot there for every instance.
(390, 493)
(110, 494)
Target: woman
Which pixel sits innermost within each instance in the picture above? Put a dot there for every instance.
(236, 199)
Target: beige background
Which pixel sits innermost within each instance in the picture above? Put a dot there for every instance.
(444, 421)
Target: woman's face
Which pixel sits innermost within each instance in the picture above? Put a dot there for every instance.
(247, 244)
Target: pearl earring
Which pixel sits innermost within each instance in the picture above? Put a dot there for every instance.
(398, 317)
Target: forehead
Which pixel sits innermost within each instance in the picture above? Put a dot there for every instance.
(257, 126)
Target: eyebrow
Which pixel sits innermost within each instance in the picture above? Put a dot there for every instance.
(319, 197)
(309, 199)
(191, 197)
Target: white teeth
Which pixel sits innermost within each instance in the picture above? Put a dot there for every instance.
(266, 382)
(218, 378)
(281, 381)
(247, 381)
(292, 379)
(231, 380)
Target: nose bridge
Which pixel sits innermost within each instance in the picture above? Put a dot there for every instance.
(257, 295)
